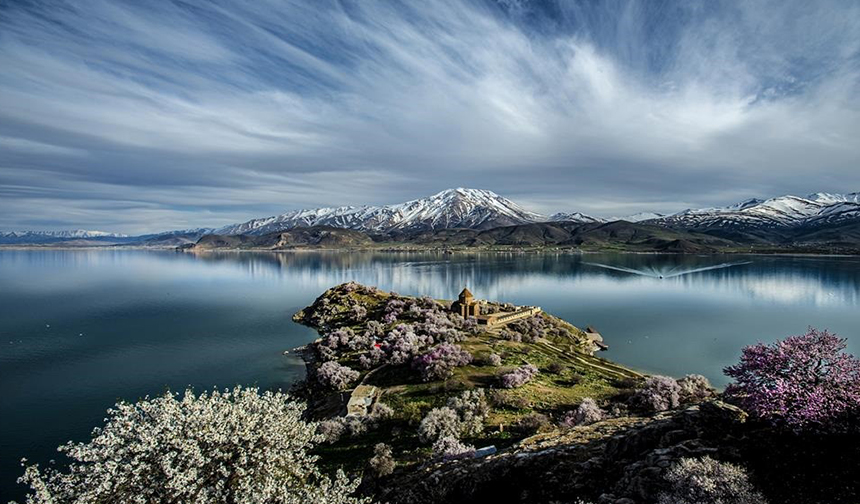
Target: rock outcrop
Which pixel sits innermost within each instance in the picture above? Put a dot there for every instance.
(616, 461)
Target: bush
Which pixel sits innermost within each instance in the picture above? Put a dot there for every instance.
(403, 343)
(494, 360)
(326, 353)
(371, 359)
(449, 447)
(502, 399)
(800, 381)
(586, 413)
(439, 422)
(511, 335)
(335, 376)
(659, 393)
(471, 408)
(708, 481)
(440, 361)
(359, 313)
(382, 463)
(331, 430)
(528, 329)
(555, 367)
(381, 411)
(220, 447)
(533, 422)
(695, 388)
(339, 338)
(519, 377)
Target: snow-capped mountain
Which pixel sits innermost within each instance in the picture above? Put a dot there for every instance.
(74, 233)
(781, 212)
(452, 208)
(41, 237)
(637, 217)
(574, 217)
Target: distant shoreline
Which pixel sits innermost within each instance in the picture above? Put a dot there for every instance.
(441, 250)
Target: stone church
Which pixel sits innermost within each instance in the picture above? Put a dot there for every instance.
(466, 305)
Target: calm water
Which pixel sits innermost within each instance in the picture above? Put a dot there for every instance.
(81, 329)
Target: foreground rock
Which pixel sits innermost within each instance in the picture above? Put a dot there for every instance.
(623, 460)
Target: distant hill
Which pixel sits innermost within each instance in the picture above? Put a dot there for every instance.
(319, 236)
(619, 234)
(819, 222)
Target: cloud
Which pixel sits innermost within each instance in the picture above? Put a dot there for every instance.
(131, 117)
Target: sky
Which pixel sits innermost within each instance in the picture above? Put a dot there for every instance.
(143, 116)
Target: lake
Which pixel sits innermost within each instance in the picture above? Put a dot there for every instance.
(81, 329)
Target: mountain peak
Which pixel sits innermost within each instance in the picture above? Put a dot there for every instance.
(459, 207)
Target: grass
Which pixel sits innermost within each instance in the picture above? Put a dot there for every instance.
(567, 376)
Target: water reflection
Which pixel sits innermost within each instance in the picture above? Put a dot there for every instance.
(819, 281)
(108, 324)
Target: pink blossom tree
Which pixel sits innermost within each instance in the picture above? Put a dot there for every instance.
(439, 362)
(519, 376)
(800, 381)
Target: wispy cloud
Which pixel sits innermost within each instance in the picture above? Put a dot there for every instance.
(137, 116)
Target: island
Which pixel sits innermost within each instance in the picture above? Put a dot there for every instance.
(455, 400)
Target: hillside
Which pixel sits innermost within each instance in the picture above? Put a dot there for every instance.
(317, 237)
(424, 428)
(359, 331)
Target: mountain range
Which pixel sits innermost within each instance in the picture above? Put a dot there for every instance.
(480, 217)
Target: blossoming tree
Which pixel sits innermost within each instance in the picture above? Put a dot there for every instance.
(799, 381)
(237, 446)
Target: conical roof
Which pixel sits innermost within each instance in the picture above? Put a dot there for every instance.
(466, 293)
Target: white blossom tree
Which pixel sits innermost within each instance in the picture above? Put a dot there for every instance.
(238, 446)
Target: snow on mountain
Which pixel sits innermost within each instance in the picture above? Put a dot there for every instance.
(781, 212)
(638, 217)
(42, 237)
(574, 217)
(452, 208)
(176, 232)
(830, 198)
(75, 233)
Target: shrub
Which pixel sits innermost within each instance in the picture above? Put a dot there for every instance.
(440, 361)
(533, 422)
(331, 430)
(502, 399)
(382, 463)
(449, 447)
(519, 377)
(555, 367)
(381, 411)
(659, 393)
(471, 407)
(494, 360)
(470, 325)
(695, 388)
(586, 413)
(439, 422)
(219, 447)
(335, 376)
(708, 481)
(371, 359)
(356, 426)
(800, 381)
(339, 338)
(359, 313)
(326, 353)
(402, 344)
(528, 329)
(374, 329)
